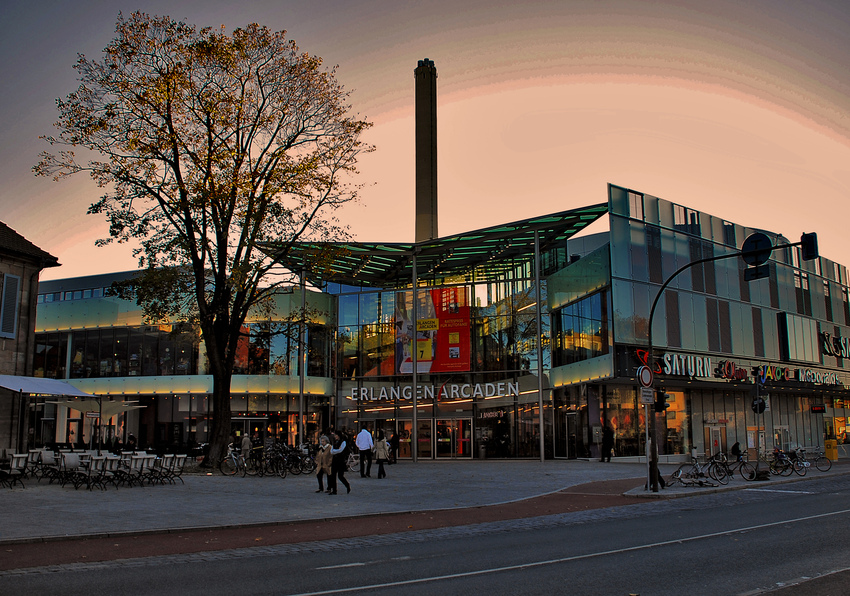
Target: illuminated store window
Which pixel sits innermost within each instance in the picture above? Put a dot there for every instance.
(580, 330)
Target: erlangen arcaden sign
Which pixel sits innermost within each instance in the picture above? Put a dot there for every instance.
(447, 391)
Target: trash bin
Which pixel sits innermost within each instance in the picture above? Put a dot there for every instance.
(831, 449)
(482, 450)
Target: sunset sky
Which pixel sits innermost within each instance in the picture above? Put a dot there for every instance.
(738, 109)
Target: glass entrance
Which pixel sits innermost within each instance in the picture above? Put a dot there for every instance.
(454, 438)
(424, 447)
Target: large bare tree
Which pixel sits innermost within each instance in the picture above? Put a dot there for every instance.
(208, 146)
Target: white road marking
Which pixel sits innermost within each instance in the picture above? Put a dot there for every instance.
(776, 490)
(532, 564)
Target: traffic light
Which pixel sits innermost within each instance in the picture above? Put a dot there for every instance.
(661, 401)
(809, 246)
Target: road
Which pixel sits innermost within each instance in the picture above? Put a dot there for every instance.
(744, 542)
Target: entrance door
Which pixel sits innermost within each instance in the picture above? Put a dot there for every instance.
(781, 437)
(571, 435)
(454, 438)
(715, 440)
(425, 443)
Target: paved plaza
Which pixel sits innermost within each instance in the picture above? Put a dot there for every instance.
(210, 500)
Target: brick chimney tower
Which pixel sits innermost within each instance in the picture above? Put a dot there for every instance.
(426, 150)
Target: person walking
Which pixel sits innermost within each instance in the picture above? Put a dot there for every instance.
(394, 442)
(324, 460)
(245, 447)
(382, 454)
(607, 443)
(365, 444)
(340, 452)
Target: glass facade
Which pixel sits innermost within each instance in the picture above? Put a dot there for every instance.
(710, 311)
(475, 347)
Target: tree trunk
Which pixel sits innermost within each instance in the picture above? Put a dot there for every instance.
(220, 433)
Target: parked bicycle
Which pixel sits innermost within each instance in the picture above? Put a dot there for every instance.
(700, 474)
(232, 463)
(780, 464)
(820, 461)
(254, 462)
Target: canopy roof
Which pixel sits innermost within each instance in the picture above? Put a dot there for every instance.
(39, 386)
(105, 406)
(489, 252)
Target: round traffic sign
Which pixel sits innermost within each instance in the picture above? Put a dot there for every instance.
(756, 249)
(645, 376)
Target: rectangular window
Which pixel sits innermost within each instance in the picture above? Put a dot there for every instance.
(827, 301)
(698, 270)
(653, 250)
(729, 234)
(636, 205)
(758, 332)
(713, 325)
(674, 332)
(742, 282)
(725, 322)
(686, 220)
(9, 306)
(845, 293)
(580, 330)
(709, 269)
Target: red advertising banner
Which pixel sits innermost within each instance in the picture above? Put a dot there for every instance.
(443, 333)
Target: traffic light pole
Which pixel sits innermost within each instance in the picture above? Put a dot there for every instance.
(809, 241)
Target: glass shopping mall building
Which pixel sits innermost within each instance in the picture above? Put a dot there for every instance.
(516, 341)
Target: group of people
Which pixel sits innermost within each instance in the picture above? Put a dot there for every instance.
(332, 458)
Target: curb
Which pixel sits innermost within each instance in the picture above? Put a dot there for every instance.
(702, 490)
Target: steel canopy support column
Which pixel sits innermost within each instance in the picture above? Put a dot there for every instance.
(302, 353)
(539, 315)
(414, 435)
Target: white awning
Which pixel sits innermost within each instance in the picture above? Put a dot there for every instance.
(105, 406)
(38, 386)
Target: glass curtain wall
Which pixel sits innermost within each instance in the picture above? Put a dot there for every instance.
(472, 340)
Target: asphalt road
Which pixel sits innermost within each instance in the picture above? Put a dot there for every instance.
(751, 541)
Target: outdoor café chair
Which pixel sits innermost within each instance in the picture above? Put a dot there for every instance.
(48, 466)
(71, 470)
(135, 471)
(111, 470)
(15, 474)
(33, 461)
(94, 474)
(177, 468)
(162, 468)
